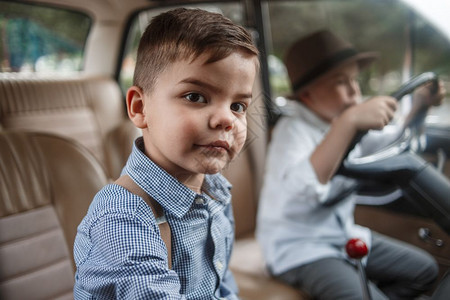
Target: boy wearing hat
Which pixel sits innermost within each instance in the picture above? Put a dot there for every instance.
(303, 236)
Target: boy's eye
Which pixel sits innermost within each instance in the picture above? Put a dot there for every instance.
(238, 107)
(194, 97)
(341, 81)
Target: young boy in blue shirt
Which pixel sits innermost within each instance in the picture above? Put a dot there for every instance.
(193, 82)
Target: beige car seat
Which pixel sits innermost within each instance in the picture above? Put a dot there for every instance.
(46, 185)
(90, 110)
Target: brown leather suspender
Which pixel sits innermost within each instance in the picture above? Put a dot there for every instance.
(164, 227)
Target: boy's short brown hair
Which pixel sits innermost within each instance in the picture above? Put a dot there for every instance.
(183, 34)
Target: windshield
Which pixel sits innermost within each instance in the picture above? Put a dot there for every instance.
(410, 36)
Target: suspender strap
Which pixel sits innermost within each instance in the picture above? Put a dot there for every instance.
(164, 227)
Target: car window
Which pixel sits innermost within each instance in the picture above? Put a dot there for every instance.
(41, 39)
(432, 53)
(407, 43)
(232, 10)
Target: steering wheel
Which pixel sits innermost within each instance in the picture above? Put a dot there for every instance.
(421, 183)
(404, 140)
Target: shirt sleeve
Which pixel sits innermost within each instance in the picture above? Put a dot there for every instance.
(289, 160)
(128, 260)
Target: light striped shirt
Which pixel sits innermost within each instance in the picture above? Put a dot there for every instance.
(294, 225)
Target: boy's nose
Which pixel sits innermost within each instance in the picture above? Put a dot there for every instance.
(222, 119)
(353, 87)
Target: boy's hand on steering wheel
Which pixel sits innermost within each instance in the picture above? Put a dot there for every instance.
(431, 94)
(374, 113)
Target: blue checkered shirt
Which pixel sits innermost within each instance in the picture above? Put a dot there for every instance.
(119, 252)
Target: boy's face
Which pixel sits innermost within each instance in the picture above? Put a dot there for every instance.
(196, 114)
(331, 95)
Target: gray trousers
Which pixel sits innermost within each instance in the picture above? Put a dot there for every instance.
(396, 270)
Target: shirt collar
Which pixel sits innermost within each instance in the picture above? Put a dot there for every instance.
(171, 194)
(218, 187)
(298, 109)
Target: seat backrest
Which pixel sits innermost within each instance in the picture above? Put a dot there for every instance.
(90, 110)
(46, 185)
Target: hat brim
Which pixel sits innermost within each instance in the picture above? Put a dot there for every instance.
(363, 59)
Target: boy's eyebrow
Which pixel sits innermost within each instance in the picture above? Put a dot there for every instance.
(201, 83)
(341, 73)
(337, 74)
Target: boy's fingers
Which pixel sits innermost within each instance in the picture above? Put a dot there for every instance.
(390, 105)
(392, 102)
(434, 87)
(436, 92)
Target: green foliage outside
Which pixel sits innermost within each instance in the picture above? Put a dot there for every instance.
(29, 33)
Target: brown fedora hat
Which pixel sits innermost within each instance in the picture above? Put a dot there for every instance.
(311, 57)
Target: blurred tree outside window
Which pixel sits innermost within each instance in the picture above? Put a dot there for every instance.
(41, 39)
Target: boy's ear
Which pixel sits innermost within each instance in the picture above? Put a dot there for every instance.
(135, 106)
(303, 96)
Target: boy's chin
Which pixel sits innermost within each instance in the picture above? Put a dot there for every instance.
(211, 171)
(212, 168)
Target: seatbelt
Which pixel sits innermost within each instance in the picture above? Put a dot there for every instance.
(164, 227)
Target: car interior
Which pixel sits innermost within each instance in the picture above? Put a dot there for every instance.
(64, 135)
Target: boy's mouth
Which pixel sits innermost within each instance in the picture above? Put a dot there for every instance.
(221, 146)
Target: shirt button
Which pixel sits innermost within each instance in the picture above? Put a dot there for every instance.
(219, 266)
(199, 200)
